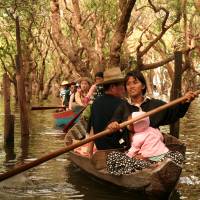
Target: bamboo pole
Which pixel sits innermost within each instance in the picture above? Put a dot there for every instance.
(63, 150)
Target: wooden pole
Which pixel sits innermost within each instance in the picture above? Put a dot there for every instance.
(63, 150)
(46, 107)
(176, 90)
(20, 85)
(8, 119)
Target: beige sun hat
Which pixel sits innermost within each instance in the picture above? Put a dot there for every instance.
(85, 79)
(64, 83)
(113, 75)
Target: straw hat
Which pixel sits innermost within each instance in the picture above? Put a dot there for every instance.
(85, 79)
(113, 75)
(65, 83)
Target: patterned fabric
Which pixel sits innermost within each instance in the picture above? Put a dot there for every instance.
(99, 91)
(118, 163)
(176, 156)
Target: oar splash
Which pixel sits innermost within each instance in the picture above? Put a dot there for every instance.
(63, 150)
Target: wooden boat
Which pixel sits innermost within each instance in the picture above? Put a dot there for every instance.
(64, 117)
(156, 182)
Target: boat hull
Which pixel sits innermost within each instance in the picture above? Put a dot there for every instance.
(157, 182)
(63, 118)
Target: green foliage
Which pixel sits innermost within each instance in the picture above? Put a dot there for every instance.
(107, 9)
(34, 16)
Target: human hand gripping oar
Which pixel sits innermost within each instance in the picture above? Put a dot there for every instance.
(54, 154)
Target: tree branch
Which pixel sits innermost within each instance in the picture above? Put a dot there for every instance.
(157, 64)
(164, 28)
(120, 32)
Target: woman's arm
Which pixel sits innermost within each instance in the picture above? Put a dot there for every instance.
(172, 114)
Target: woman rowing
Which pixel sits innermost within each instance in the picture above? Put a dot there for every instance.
(137, 100)
(135, 85)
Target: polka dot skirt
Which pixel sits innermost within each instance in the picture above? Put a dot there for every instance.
(119, 163)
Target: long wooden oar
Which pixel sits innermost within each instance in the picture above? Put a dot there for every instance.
(46, 107)
(66, 127)
(54, 154)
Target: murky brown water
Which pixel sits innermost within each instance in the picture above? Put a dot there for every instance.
(58, 179)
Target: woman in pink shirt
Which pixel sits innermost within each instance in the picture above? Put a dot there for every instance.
(147, 147)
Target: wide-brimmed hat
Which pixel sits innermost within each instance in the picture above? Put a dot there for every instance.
(65, 83)
(85, 79)
(113, 75)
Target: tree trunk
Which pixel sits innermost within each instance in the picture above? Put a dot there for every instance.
(120, 33)
(149, 79)
(27, 72)
(83, 36)
(63, 43)
(20, 85)
(9, 119)
(47, 88)
(176, 90)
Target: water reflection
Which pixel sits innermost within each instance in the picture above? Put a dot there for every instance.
(92, 188)
(10, 153)
(59, 179)
(24, 147)
(189, 185)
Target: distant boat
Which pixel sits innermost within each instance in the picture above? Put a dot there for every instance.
(64, 117)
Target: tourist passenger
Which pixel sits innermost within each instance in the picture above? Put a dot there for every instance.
(103, 108)
(64, 92)
(81, 93)
(96, 89)
(73, 89)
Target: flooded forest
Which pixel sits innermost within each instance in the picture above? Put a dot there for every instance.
(48, 45)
